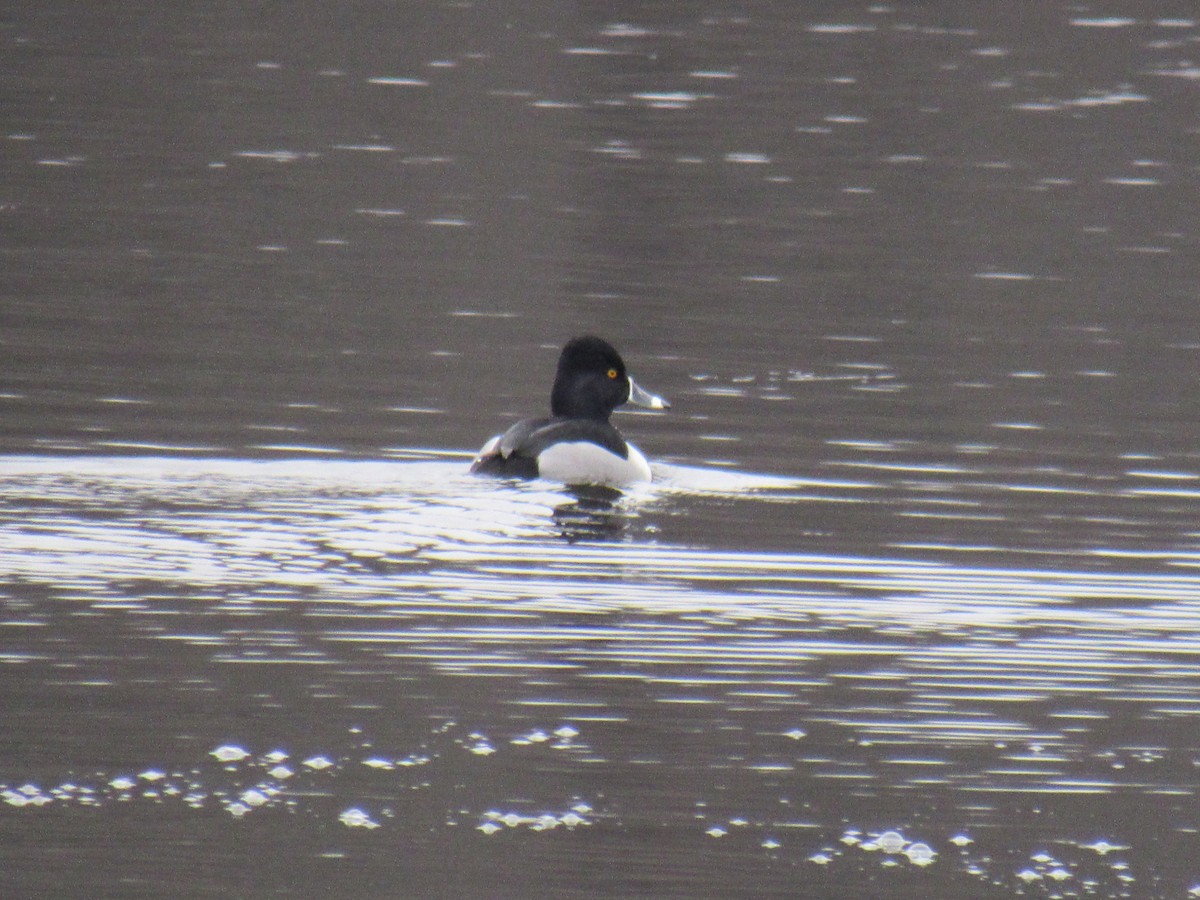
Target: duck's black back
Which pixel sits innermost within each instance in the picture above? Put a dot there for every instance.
(516, 453)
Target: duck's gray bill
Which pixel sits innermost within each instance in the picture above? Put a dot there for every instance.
(639, 397)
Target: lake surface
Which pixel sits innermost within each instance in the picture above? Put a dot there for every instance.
(912, 608)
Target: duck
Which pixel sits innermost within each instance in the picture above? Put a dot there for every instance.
(576, 444)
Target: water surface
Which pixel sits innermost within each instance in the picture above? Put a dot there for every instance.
(911, 607)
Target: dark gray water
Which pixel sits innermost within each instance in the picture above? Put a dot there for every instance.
(912, 609)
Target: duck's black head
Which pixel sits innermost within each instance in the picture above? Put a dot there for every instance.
(592, 382)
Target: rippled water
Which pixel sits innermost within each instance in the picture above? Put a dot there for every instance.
(318, 650)
(910, 610)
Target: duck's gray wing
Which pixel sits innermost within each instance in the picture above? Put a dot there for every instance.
(513, 453)
(522, 439)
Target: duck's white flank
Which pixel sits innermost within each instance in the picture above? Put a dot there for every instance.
(582, 462)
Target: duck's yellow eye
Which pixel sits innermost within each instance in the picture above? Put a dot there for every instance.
(612, 373)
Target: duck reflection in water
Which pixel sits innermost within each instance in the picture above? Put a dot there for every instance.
(593, 514)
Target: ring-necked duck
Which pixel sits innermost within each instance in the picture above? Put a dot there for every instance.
(577, 444)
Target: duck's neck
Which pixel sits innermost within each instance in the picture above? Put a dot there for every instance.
(572, 400)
